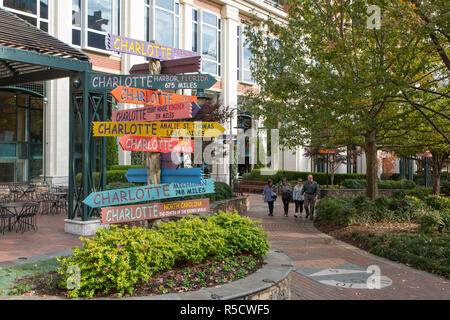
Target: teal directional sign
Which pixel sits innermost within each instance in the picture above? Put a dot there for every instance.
(158, 81)
(148, 193)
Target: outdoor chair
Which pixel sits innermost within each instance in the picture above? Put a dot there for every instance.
(26, 220)
(47, 202)
(29, 193)
(5, 217)
(16, 192)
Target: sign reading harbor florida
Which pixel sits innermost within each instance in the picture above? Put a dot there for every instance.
(148, 193)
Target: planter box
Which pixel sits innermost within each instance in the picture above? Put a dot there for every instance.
(83, 228)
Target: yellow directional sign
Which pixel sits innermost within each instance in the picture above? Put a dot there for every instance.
(158, 129)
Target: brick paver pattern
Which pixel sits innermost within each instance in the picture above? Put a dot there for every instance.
(309, 248)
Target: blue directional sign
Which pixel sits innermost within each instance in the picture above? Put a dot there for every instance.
(148, 193)
(193, 175)
(137, 175)
(195, 109)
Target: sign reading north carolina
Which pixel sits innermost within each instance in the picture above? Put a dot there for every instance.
(174, 111)
(152, 211)
(148, 97)
(158, 129)
(165, 145)
(148, 193)
(156, 81)
(146, 49)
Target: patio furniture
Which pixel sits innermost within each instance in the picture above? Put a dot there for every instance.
(16, 191)
(29, 192)
(23, 213)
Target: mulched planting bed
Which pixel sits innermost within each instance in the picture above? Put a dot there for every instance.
(180, 279)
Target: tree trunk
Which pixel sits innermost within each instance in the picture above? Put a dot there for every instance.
(436, 164)
(370, 149)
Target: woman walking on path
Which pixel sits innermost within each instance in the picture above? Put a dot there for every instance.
(298, 197)
(286, 195)
(270, 195)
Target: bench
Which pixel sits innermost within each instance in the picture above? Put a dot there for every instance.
(249, 186)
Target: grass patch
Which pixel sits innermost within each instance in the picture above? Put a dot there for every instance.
(428, 252)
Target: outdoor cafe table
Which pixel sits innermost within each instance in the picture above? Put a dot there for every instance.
(15, 209)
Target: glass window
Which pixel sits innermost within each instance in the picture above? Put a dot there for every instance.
(207, 34)
(100, 15)
(209, 43)
(32, 11)
(76, 13)
(44, 9)
(165, 28)
(8, 124)
(244, 57)
(28, 6)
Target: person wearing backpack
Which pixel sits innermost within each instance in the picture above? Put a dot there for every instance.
(270, 195)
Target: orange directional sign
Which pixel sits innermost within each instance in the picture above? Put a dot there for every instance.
(149, 97)
(174, 111)
(147, 144)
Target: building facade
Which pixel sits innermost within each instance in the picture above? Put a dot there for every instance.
(34, 128)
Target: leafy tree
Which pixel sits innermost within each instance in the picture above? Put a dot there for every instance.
(331, 81)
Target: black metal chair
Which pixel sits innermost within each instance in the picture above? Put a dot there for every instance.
(26, 220)
(5, 218)
(16, 192)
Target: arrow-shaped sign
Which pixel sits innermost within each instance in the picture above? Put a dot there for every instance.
(153, 211)
(195, 109)
(148, 97)
(148, 193)
(183, 175)
(146, 81)
(158, 129)
(165, 145)
(174, 111)
(146, 49)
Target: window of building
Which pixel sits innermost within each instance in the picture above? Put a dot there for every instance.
(244, 57)
(33, 11)
(92, 20)
(162, 22)
(207, 40)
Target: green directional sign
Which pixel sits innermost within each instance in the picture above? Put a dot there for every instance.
(158, 81)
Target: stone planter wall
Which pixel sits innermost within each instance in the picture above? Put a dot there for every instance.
(351, 193)
(241, 204)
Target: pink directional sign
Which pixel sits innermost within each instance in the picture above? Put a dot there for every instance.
(155, 144)
(146, 49)
(181, 110)
(153, 211)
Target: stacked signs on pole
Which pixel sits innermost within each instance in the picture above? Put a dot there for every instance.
(141, 130)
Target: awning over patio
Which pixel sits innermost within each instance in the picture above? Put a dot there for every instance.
(29, 54)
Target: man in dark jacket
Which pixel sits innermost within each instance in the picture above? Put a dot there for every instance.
(311, 192)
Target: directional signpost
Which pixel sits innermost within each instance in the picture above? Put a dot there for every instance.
(183, 175)
(148, 97)
(148, 193)
(151, 211)
(155, 81)
(158, 129)
(174, 111)
(165, 145)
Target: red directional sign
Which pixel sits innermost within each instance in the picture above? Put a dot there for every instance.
(154, 144)
(180, 110)
(327, 151)
(426, 155)
(153, 211)
(149, 97)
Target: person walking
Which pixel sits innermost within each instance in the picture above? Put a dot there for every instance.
(311, 193)
(298, 197)
(270, 195)
(286, 195)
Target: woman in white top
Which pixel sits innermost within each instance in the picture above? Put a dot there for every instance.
(298, 197)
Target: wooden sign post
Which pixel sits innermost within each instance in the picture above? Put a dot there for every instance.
(151, 211)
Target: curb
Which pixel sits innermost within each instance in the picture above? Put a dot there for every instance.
(277, 268)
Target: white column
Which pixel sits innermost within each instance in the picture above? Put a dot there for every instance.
(57, 109)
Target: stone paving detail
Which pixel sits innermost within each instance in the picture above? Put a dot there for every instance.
(326, 268)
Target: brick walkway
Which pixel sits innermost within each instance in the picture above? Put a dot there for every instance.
(313, 253)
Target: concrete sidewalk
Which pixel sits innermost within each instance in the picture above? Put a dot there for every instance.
(329, 269)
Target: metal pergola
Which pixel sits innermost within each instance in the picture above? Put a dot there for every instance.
(28, 54)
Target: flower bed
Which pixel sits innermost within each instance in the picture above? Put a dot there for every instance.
(180, 255)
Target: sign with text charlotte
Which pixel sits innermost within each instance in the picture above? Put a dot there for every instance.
(148, 193)
(146, 49)
(153, 211)
(157, 81)
(158, 129)
(149, 97)
(165, 145)
(174, 111)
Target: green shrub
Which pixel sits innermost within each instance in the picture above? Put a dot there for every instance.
(222, 192)
(120, 185)
(116, 260)
(437, 202)
(112, 152)
(125, 167)
(419, 192)
(445, 187)
(338, 211)
(354, 184)
(430, 222)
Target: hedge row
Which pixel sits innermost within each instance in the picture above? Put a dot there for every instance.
(319, 177)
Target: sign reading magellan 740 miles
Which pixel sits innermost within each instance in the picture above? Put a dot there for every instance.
(158, 81)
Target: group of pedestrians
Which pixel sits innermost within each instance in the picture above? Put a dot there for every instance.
(304, 195)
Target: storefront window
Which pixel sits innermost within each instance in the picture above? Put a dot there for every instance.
(244, 57)
(33, 11)
(102, 18)
(165, 26)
